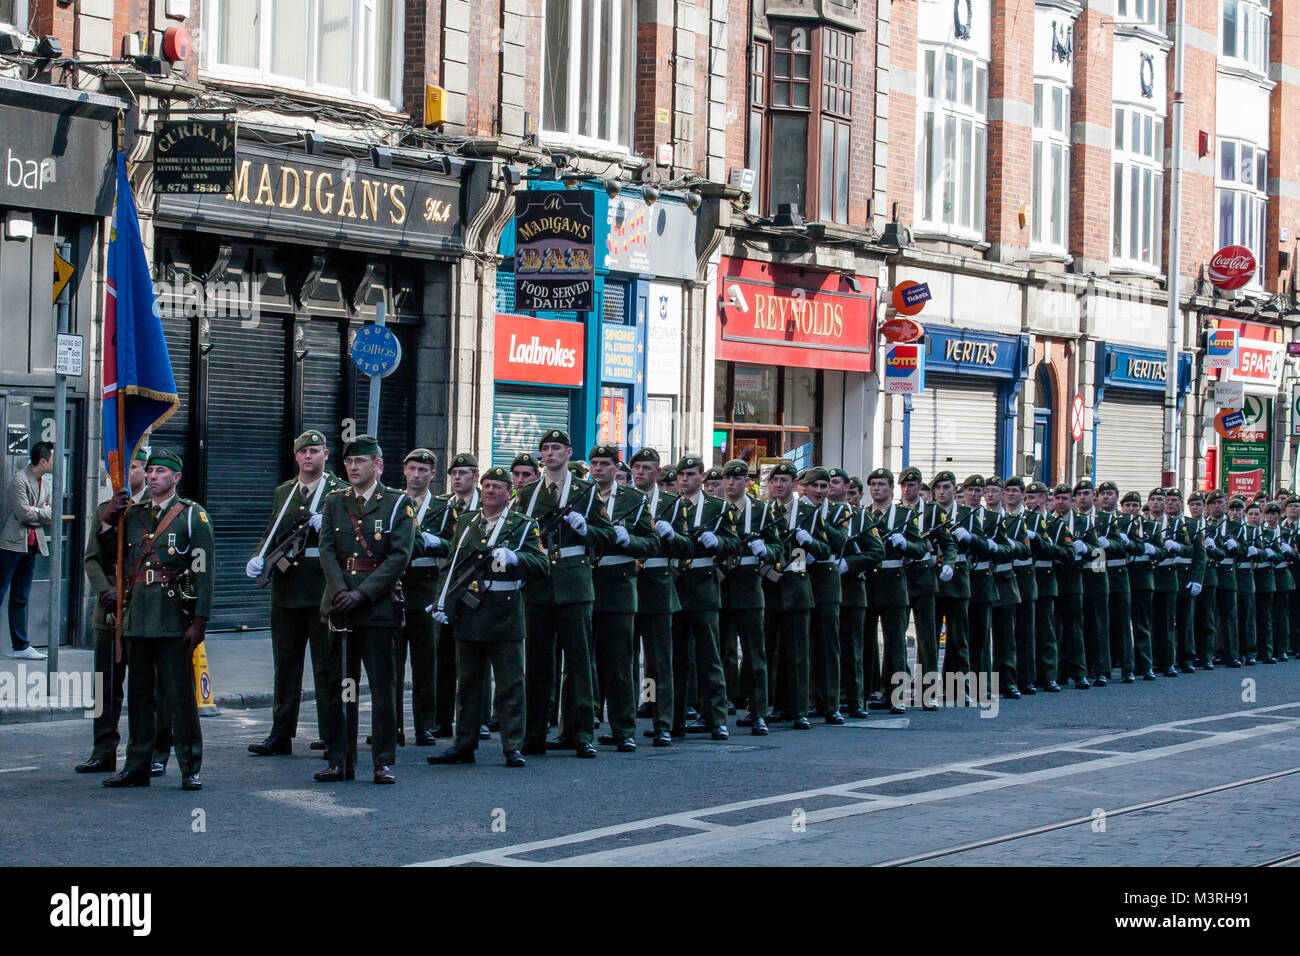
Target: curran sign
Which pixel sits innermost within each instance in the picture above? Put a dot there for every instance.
(539, 351)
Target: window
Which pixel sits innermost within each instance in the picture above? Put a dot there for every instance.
(1241, 181)
(588, 61)
(1049, 202)
(14, 13)
(1144, 11)
(1245, 33)
(801, 106)
(348, 48)
(952, 143)
(1137, 177)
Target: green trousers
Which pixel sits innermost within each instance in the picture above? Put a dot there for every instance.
(293, 630)
(1045, 654)
(954, 613)
(161, 679)
(1246, 623)
(110, 693)
(1264, 624)
(1164, 628)
(1207, 624)
(614, 643)
(444, 674)
(1026, 638)
(1186, 633)
(699, 630)
(787, 636)
(1141, 601)
(1227, 632)
(825, 668)
(1004, 644)
(980, 635)
(1069, 637)
(852, 673)
(656, 634)
(418, 636)
(745, 626)
(568, 628)
(372, 646)
(927, 634)
(506, 661)
(1120, 630)
(1096, 635)
(892, 622)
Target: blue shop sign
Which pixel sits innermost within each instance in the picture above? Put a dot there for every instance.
(1123, 366)
(967, 352)
(618, 353)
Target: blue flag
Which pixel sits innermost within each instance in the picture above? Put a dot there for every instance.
(139, 387)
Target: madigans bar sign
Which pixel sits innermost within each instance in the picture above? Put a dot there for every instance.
(280, 194)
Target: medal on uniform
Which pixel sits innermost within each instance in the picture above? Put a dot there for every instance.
(171, 542)
(379, 529)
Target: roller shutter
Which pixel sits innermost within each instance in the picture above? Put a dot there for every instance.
(521, 416)
(322, 384)
(1129, 430)
(396, 408)
(953, 426)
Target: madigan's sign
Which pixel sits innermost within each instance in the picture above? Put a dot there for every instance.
(555, 250)
(808, 320)
(279, 193)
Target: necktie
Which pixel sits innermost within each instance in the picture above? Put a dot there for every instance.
(553, 490)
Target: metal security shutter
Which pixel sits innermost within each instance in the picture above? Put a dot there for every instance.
(322, 384)
(246, 451)
(1129, 433)
(954, 427)
(520, 417)
(396, 408)
(175, 432)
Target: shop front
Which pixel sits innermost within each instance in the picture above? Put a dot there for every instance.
(781, 331)
(539, 372)
(1128, 414)
(262, 291)
(1249, 462)
(965, 419)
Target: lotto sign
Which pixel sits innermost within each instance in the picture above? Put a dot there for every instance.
(1221, 349)
(905, 369)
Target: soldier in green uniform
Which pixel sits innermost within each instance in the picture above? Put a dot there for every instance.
(788, 596)
(1141, 577)
(463, 498)
(1265, 585)
(1205, 612)
(1022, 529)
(668, 480)
(524, 470)
(500, 551)
(1046, 532)
(1291, 535)
(1069, 588)
(111, 673)
(1220, 531)
(1007, 599)
(1283, 583)
(1239, 546)
(366, 540)
(741, 618)
(925, 574)
(710, 526)
(1189, 570)
(1095, 578)
(983, 587)
(887, 597)
(657, 595)
(1171, 539)
(296, 585)
(420, 585)
(170, 564)
(615, 580)
(1120, 550)
(863, 554)
(572, 520)
(825, 577)
(713, 483)
(854, 495)
(952, 600)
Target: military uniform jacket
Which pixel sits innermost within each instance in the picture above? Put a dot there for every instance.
(1265, 582)
(153, 605)
(1018, 527)
(1141, 566)
(825, 575)
(615, 573)
(569, 552)
(101, 577)
(1048, 552)
(1225, 560)
(1202, 533)
(1004, 562)
(387, 528)
(1120, 554)
(1069, 564)
(1285, 535)
(959, 588)
(865, 551)
(656, 590)
(940, 549)
(887, 584)
(742, 588)
(1246, 537)
(432, 515)
(500, 588)
(984, 551)
(300, 584)
(1166, 576)
(697, 584)
(793, 591)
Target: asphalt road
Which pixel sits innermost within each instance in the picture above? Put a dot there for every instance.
(925, 789)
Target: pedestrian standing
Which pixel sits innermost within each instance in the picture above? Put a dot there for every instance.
(22, 539)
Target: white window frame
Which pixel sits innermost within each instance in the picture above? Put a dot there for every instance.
(1146, 164)
(1051, 142)
(1250, 200)
(1149, 12)
(21, 17)
(1252, 22)
(936, 113)
(573, 134)
(263, 73)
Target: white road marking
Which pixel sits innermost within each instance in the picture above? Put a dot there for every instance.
(18, 769)
(710, 835)
(315, 801)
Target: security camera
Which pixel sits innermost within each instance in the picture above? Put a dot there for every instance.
(736, 299)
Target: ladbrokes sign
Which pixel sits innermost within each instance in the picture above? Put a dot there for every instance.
(539, 351)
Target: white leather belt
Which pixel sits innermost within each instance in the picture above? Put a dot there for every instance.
(701, 562)
(1042, 564)
(573, 551)
(892, 563)
(980, 566)
(655, 563)
(928, 559)
(1182, 560)
(1023, 563)
(999, 568)
(961, 559)
(1227, 562)
(311, 552)
(746, 562)
(615, 559)
(1116, 562)
(503, 585)
(424, 562)
(1279, 565)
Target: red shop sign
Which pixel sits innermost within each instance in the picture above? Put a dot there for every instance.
(1232, 267)
(539, 351)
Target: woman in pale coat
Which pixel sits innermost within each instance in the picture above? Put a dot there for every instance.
(27, 513)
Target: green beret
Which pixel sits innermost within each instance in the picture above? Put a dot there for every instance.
(622, 466)
(1131, 496)
(646, 454)
(882, 473)
(1260, 495)
(816, 473)
(463, 460)
(1108, 486)
(974, 481)
(523, 458)
(855, 482)
(1157, 493)
(1253, 504)
(579, 468)
(1293, 500)
(1272, 508)
(556, 435)
(667, 475)
(422, 455)
(944, 476)
(1173, 493)
(993, 481)
(783, 467)
(141, 454)
(909, 474)
(1237, 502)
(1015, 481)
(1215, 495)
(165, 457)
(604, 450)
(1083, 484)
(690, 461)
(1284, 493)
(363, 445)
(1062, 489)
(1036, 488)
(714, 474)
(495, 474)
(1196, 496)
(308, 438)
(836, 473)
(736, 468)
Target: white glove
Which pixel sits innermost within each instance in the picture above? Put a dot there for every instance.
(506, 557)
(1231, 544)
(431, 540)
(314, 521)
(1031, 535)
(440, 616)
(960, 533)
(1211, 543)
(945, 573)
(1287, 549)
(803, 537)
(1124, 538)
(898, 540)
(1151, 549)
(1080, 547)
(758, 549)
(1270, 552)
(1252, 552)
(1194, 588)
(843, 566)
(1175, 546)
(254, 566)
(663, 529)
(577, 522)
(1103, 542)
(709, 540)
(621, 533)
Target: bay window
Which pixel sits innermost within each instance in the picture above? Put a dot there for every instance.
(1244, 34)
(1241, 199)
(952, 144)
(1050, 197)
(1143, 11)
(588, 71)
(1137, 183)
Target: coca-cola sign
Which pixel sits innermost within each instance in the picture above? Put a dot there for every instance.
(1232, 267)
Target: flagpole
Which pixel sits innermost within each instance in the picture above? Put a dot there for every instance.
(119, 482)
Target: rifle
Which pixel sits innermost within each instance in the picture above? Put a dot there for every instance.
(771, 566)
(278, 559)
(549, 527)
(462, 589)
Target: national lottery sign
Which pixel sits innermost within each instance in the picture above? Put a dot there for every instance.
(905, 368)
(1221, 349)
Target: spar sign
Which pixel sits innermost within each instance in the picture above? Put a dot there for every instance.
(905, 368)
(1221, 349)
